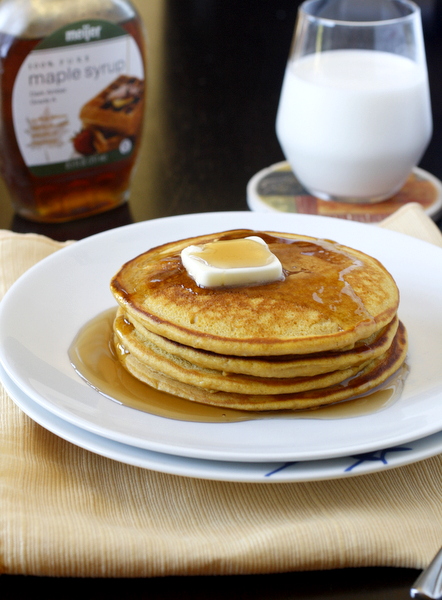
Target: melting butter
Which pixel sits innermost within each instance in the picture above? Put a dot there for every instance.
(236, 262)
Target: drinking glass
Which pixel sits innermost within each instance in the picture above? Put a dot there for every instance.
(354, 115)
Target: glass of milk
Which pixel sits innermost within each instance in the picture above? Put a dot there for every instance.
(354, 115)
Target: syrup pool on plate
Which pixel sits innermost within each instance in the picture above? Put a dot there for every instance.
(94, 358)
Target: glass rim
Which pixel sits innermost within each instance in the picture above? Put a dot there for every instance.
(414, 10)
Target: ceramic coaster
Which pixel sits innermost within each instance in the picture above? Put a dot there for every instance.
(276, 189)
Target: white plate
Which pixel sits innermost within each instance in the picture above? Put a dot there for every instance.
(253, 472)
(44, 310)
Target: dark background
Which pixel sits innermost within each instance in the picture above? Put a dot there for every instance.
(215, 74)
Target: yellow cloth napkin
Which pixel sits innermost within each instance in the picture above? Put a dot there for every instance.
(67, 512)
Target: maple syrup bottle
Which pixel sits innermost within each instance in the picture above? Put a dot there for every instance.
(72, 93)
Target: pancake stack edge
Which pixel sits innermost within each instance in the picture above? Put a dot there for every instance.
(327, 332)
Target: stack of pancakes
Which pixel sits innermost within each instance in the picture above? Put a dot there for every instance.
(328, 331)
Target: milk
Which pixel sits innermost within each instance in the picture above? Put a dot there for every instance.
(353, 123)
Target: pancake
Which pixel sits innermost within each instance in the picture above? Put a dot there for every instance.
(261, 366)
(331, 298)
(326, 332)
(212, 379)
(370, 376)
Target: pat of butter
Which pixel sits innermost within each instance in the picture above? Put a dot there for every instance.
(228, 263)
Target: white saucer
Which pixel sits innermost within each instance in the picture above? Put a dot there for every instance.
(281, 472)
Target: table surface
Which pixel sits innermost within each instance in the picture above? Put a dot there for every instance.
(215, 73)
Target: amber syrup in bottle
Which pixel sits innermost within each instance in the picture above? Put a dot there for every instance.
(72, 92)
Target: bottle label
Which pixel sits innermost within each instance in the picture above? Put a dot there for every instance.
(78, 98)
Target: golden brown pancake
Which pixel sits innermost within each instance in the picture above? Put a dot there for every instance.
(370, 376)
(216, 380)
(327, 332)
(259, 366)
(331, 298)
